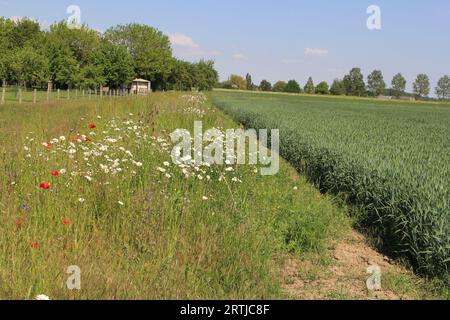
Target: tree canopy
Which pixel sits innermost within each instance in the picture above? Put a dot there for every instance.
(443, 88)
(322, 88)
(375, 83)
(309, 87)
(354, 83)
(84, 58)
(338, 88)
(279, 86)
(265, 86)
(398, 85)
(422, 86)
(293, 87)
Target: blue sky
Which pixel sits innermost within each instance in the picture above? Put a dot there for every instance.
(270, 39)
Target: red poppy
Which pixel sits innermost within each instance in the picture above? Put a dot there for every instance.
(45, 186)
(88, 139)
(66, 222)
(55, 173)
(48, 146)
(92, 126)
(19, 223)
(35, 245)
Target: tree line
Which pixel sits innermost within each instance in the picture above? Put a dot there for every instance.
(352, 84)
(88, 59)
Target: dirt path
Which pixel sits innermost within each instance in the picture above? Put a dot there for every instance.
(345, 277)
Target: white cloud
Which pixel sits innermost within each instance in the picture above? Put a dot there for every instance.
(182, 40)
(239, 56)
(185, 47)
(316, 52)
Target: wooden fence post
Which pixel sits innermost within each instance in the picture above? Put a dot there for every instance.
(49, 90)
(59, 94)
(20, 95)
(68, 94)
(34, 95)
(76, 94)
(3, 94)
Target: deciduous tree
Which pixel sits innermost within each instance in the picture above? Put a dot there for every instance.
(421, 86)
(376, 84)
(279, 86)
(293, 87)
(443, 88)
(150, 49)
(354, 83)
(237, 82)
(30, 67)
(265, 86)
(322, 88)
(398, 85)
(337, 88)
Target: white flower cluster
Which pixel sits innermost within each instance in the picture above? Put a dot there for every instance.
(108, 152)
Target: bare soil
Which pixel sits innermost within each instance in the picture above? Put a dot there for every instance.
(344, 278)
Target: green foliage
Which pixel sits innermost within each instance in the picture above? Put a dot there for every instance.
(237, 82)
(398, 85)
(250, 85)
(443, 88)
(338, 88)
(375, 83)
(30, 68)
(117, 64)
(322, 88)
(150, 48)
(279, 86)
(422, 86)
(205, 77)
(24, 31)
(4, 66)
(181, 77)
(309, 87)
(265, 86)
(6, 30)
(388, 159)
(84, 58)
(354, 83)
(292, 87)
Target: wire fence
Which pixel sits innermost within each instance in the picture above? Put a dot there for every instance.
(22, 95)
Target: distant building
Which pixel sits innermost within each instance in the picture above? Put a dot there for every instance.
(140, 86)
